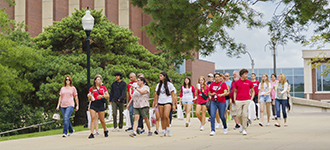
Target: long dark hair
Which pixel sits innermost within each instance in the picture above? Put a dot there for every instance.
(184, 82)
(166, 80)
(94, 85)
(144, 81)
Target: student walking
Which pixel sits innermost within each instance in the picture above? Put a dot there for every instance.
(187, 95)
(164, 98)
(273, 82)
(97, 96)
(256, 91)
(67, 93)
(264, 98)
(202, 98)
(218, 91)
(140, 102)
(117, 100)
(228, 82)
(281, 99)
(242, 98)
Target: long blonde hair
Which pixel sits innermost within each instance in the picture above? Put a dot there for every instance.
(283, 79)
(262, 81)
(204, 84)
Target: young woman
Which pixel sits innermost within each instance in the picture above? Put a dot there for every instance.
(97, 94)
(223, 79)
(281, 98)
(218, 91)
(140, 104)
(164, 98)
(272, 93)
(256, 91)
(264, 98)
(187, 95)
(67, 93)
(201, 102)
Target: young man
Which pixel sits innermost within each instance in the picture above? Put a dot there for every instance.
(242, 98)
(117, 100)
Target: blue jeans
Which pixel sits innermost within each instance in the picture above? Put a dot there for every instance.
(131, 113)
(66, 112)
(278, 103)
(221, 107)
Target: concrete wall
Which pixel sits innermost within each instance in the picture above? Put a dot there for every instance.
(305, 105)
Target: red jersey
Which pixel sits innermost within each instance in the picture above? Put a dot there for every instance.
(213, 88)
(129, 87)
(200, 99)
(243, 89)
(94, 92)
(255, 87)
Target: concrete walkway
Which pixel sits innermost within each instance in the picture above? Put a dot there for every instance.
(305, 131)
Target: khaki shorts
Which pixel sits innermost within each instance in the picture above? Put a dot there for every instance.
(233, 109)
(144, 112)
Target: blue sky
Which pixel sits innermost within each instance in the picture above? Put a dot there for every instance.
(288, 56)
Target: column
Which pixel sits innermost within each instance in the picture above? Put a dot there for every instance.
(47, 13)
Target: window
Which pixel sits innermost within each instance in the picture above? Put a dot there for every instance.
(263, 71)
(298, 83)
(182, 68)
(298, 71)
(322, 83)
(287, 71)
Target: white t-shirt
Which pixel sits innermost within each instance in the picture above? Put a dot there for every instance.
(265, 88)
(163, 98)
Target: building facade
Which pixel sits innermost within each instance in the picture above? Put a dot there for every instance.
(41, 13)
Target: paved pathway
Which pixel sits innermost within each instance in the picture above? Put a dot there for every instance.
(305, 131)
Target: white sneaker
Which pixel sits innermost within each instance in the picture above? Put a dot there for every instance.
(119, 130)
(244, 132)
(162, 134)
(240, 129)
(202, 128)
(169, 134)
(212, 133)
(218, 126)
(114, 130)
(267, 124)
(70, 133)
(64, 135)
(225, 131)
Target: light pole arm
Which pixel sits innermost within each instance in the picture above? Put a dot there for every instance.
(252, 61)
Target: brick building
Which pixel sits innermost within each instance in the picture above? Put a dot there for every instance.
(40, 13)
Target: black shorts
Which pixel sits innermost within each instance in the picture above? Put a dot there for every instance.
(98, 105)
(164, 104)
(203, 103)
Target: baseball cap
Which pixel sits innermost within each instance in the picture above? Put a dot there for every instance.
(210, 75)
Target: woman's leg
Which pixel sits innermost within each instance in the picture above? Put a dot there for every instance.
(262, 112)
(185, 109)
(97, 123)
(268, 111)
(135, 124)
(213, 109)
(93, 119)
(161, 114)
(188, 109)
(203, 114)
(278, 110)
(157, 119)
(101, 116)
(146, 120)
(274, 108)
(284, 103)
(217, 116)
(221, 109)
(198, 111)
(167, 109)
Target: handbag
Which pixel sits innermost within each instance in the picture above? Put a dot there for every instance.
(102, 99)
(56, 116)
(204, 96)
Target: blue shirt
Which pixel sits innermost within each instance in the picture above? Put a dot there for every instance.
(229, 83)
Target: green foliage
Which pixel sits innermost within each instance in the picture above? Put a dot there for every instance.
(182, 25)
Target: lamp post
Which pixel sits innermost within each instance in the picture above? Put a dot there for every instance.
(88, 23)
(252, 61)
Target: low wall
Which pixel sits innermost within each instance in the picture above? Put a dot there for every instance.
(305, 105)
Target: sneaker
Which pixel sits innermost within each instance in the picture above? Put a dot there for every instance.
(132, 135)
(97, 133)
(129, 130)
(169, 134)
(218, 126)
(212, 133)
(106, 133)
(240, 129)
(237, 126)
(260, 124)
(120, 129)
(142, 131)
(244, 132)
(91, 136)
(138, 130)
(70, 133)
(64, 135)
(202, 128)
(225, 131)
(150, 133)
(267, 124)
(163, 134)
(156, 132)
(114, 130)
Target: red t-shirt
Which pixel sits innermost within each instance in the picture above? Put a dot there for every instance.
(213, 88)
(200, 99)
(255, 87)
(243, 89)
(102, 90)
(129, 87)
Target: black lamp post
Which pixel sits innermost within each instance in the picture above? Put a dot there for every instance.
(88, 23)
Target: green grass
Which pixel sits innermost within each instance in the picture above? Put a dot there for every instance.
(46, 133)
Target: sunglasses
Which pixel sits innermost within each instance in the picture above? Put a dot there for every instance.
(227, 76)
(67, 79)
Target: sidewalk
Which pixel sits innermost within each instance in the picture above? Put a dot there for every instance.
(305, 131)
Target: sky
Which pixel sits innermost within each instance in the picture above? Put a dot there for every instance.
(288, 56)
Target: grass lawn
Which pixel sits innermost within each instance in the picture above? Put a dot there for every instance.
(46, 133)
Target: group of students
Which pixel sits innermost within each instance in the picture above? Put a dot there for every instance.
(220, 97)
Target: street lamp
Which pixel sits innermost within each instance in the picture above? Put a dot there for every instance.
(88, 23)
(252, 61)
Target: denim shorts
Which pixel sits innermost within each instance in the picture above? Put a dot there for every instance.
(265, 99)
(187, 102)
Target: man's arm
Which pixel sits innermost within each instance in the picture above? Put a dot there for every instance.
(123, 92)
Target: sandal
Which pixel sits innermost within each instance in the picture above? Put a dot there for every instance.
(285, 125)
(277, 125)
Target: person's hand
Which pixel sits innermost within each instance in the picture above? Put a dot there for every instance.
(127, 106)
(99, 96)
(118, 100)
(279, 93)
(264, 94)
(58, 108)
(77, 108)
(174, 108)
(110, 103)
(132, 87)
